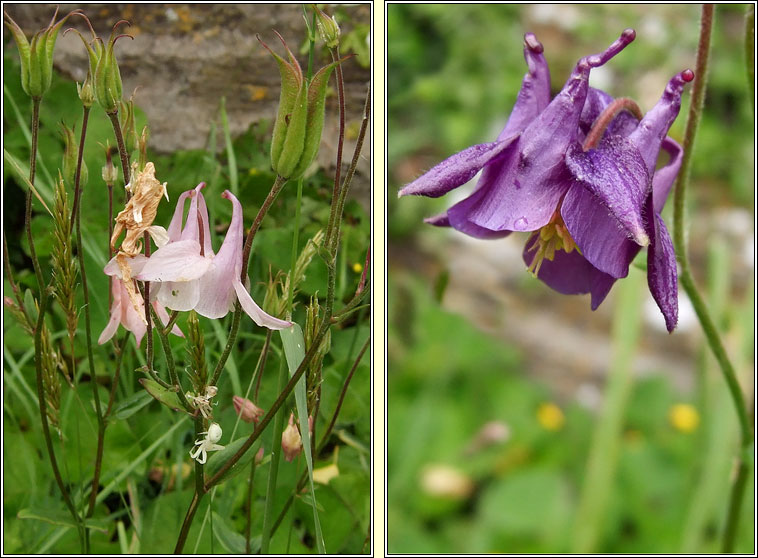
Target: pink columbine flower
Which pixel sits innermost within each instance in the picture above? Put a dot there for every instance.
(192, 277)
(124, 313)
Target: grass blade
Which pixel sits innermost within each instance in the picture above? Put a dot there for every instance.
(294, 349)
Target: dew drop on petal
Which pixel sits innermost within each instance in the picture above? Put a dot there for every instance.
(521, 224)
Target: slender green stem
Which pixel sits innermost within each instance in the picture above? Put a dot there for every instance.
(249, 514)
(273, 471)
(351, 170)
(121, 147)
(76, 217)
(150, 351)
(688, 282)
(78, 173)
(187, 523)
(173, 377)
(172, 320)
(273, 193)
(28, 215)
(735, 504)
(750, 51)
(338, 170)
(43, 415)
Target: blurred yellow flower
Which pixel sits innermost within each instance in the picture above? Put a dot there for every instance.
(357, 268)
(444, 481)
(684, 417)
(550, 416)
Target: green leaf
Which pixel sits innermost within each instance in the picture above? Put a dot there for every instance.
(164, 395)
(131, 405)
(294, 350)
(219, 458)
(233, 542)
(60, 517)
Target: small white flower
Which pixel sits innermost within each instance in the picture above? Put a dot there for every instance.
(204, 445)
(203, 402)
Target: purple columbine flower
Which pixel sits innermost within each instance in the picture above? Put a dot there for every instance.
(524, 175)
(191, 276)
(591, 206)
(613, 209)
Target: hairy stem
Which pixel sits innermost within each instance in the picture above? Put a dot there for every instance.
(688, 283)
(121, 147)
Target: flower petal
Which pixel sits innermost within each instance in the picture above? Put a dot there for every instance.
(182, 296)
(455, 170)
(177, 261)
(529, 188)
(661, 267)
(115, 318)
(163, 315)
(570, 273)
(534, 95)
(664, 177)
(255, 312)
(175, 227)
(616, 174)
(602, 242)
(656, 123)
(217, 292)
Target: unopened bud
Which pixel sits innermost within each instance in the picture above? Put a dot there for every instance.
(247, 410)
(86, 92)
(110, 172)
(292, 443)
(327, 28)
(259, 456)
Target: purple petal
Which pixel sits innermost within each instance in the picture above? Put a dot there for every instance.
(602, 242)
(440, 220)
(656, 123)
(514, 200)
(664, 177)
(456, 170)
(527, 189)
(615, 173)
(661, 268)
(570, 273)
(534, 95)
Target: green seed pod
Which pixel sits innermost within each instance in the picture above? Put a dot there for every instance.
(37, 56)
(103, 69)
(300, 117)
